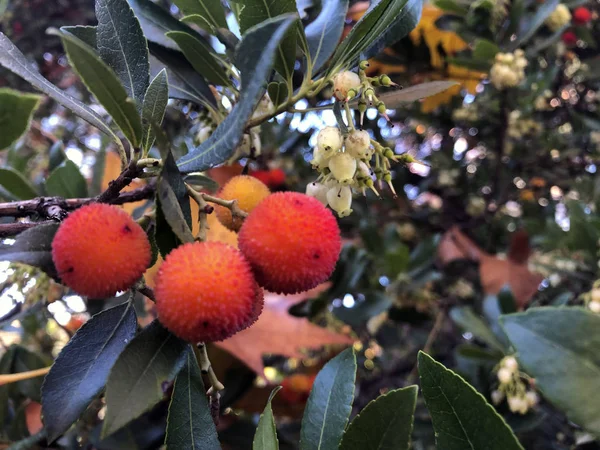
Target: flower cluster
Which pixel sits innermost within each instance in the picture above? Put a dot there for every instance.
(509, 69)
(519, 127)
(511, 386)
(560, 17)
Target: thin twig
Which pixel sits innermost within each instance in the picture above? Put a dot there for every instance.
(433, 334)
(148, 292)
(214, 392)
(12, 229)
(123, 180)
(14, 377)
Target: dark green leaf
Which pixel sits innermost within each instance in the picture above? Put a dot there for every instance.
(25, 360)
(202, 182)
(211, 11)
(184, 82)
(122, 46)
(324, 33)
(468, 320)
(190, 424)
(164, 237)
(254, 59)
(462, 418)
(104, 84)
(67, 181)
(155, 105)
(374, 304)
(385, 23)
(329, 405)
(85, 33)
(485, 50)
(33, 247)
(98, 171)
(256, 12)
(201, 56)
(278, 92)
(199, 20)
(16, 185)
(81, 369)
(138, 378)
(266, 432)
(56, 155)
(559, 348)
(530, 26)
(451, 6)
(385, 423)
(156, 21)
(16, 109)
(6, 362)
(12, 59)
(172, 212)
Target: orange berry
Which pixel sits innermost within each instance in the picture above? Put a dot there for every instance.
(205, 291)
(248, 191)
(296, 388)
(99, 250)
(292, 242)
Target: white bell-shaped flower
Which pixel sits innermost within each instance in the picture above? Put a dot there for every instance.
(343, 167)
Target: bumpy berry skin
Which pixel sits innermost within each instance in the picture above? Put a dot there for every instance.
(205, 292)
(99, 250)
(248, 191)
(292, 242)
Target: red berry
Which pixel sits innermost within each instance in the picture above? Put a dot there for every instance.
(569, 38)
(291, 241)
(262, 175)
(276, 178)
(582, 15)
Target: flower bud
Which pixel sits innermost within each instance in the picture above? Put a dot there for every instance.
(517, 405)
(510, 363)
(320, 159)
(385, 80)
(318, 191)
(363, 65)
(504, 375)
(363, 170)
(497, 397)
(329, 140)
(531, 398)
(343, 167)
(340, 200)
(343, 82)
(594, 306)
(357, 143)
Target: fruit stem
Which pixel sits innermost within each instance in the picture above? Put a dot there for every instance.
(14, 377)
(214, 391)
(230, 204)
(204, 209)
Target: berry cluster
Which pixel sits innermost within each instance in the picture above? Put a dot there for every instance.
(508, 70)
(511, 386)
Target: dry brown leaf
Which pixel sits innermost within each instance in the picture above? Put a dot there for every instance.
(494, 272)
(277, 332)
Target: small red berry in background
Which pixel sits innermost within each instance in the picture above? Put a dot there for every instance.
(569, 38)
(273, 178)
(582, 15)
(296, 388)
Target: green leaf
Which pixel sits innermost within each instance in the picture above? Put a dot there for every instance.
(190, 424)
(211, 11)
(559, 348)
(56, 155)
(165, 239)
(201, 56)
(104, 84)
(184, 82)
(33, 247)
(256, 12)
(67, 181)
(530, 27)
(155, 105)
(16, 185)
(385, 23)
(485, 50)
(450, 6)
(136, 381)
(82, 367)
(254, 60)
(462, 418)
(122, 46)
(202, 182)
(396, 99)
(98, 172)
(266, 432)
(12, 59)
(468, 320)
(329, 405)
(16, 110)
(85, 33)
(324, 33)
(278, 92)
(24, 360)
(385, 423)
(199, 20)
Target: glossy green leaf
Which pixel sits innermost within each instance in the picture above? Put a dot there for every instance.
(24, 360)
(154, 107)
(104, 84)
(265, 437)
(122, 46)
(385, 423)
(198, 20)
(184, 82)
(57, 155)
(202, 182)
(278, 92)
(16, 109)
(82, 367)
(559, 348)
(12, 59)
(530, 27)
(201, 57)
(451, 6)
(211, 11)
(33, 247)
(385, 23)
(468, 320)
(462, 418)
(137, 380)
(323, 34)
(330, 403)
(16, 185)
(67, 181)
(255, 12)
(85, 33)
(190, 424)
(254, 60)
